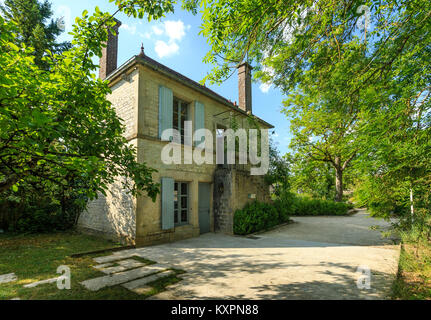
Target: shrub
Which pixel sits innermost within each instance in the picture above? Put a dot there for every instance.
(32, 212)
(254, 217)
(257, 216)
(317, 207)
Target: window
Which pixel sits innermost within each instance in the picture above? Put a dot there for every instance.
(180, 114)
(220, 131)
(181, 202)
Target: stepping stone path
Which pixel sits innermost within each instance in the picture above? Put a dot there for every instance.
(140, 286)
(117, 256)
(9, 277)
(35, 284)
(122, 269)
(123, 265)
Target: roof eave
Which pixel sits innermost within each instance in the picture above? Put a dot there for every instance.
(190, 83)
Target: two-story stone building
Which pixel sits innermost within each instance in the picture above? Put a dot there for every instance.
(194, 199)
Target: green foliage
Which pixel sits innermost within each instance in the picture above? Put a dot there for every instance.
(255, 216)
(316, 207)
(414, 270)
(35, 26)
(310, 177)
(35, 209)
(305, 206)
(57, 123)
(278, 171)
(285, 203)
(358, 97)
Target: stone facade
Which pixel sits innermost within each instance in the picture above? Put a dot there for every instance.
(135, 95)
(233, 188)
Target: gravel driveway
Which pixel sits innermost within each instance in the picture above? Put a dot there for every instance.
(313, 258)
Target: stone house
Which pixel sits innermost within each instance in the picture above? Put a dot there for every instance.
(194, 199)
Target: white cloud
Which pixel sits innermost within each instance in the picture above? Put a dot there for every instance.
(175, 30)
(164, 49)
(130, 29)
(264, 87)
(157, 31)
(145, 35)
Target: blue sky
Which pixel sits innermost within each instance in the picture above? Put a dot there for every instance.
(175, 42)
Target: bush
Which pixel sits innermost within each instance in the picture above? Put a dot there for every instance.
(32, 212)
(254, 217)
(257, 216)
(317, 207)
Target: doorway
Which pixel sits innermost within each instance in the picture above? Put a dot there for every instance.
(204, 198)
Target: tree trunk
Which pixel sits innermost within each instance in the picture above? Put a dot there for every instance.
(338, 180)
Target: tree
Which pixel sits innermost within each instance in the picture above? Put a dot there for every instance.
(36, 28)
(278, 171)
(396, 172)
(311, 177)
(57, 122)
(334, 59)
(324, 118)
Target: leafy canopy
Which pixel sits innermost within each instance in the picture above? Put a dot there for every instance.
(56, 122)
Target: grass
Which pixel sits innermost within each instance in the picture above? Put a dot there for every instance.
(36, 257)
(414, 275)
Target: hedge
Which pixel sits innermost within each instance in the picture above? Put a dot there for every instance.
(258, 216)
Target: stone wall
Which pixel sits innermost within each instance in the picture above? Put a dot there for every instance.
(114, 216)
(223, 202)
(233, 189)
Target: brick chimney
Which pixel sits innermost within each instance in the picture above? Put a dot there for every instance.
(108, 61)
(244, 86)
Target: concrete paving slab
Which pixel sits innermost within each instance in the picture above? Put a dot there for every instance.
(118, 255)
(35, 284)
(8, 277)
(123, 266)
(122, 277)
(141, 286)
(103, 265)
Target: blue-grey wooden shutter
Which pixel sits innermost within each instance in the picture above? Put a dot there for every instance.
(199, 119)
(166, 100)
(167, 203)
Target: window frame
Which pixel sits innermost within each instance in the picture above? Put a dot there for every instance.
(179, 126)
(179, 209)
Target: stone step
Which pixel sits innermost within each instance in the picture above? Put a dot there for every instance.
(121, 277)
(8, 277)
(35, 284)
(103, 265)
(140, 286)
(123, 266)
(117, 256)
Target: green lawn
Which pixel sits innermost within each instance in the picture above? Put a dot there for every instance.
(36, 257)
(414, 275)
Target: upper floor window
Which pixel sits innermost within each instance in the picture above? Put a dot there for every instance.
(180, 115)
